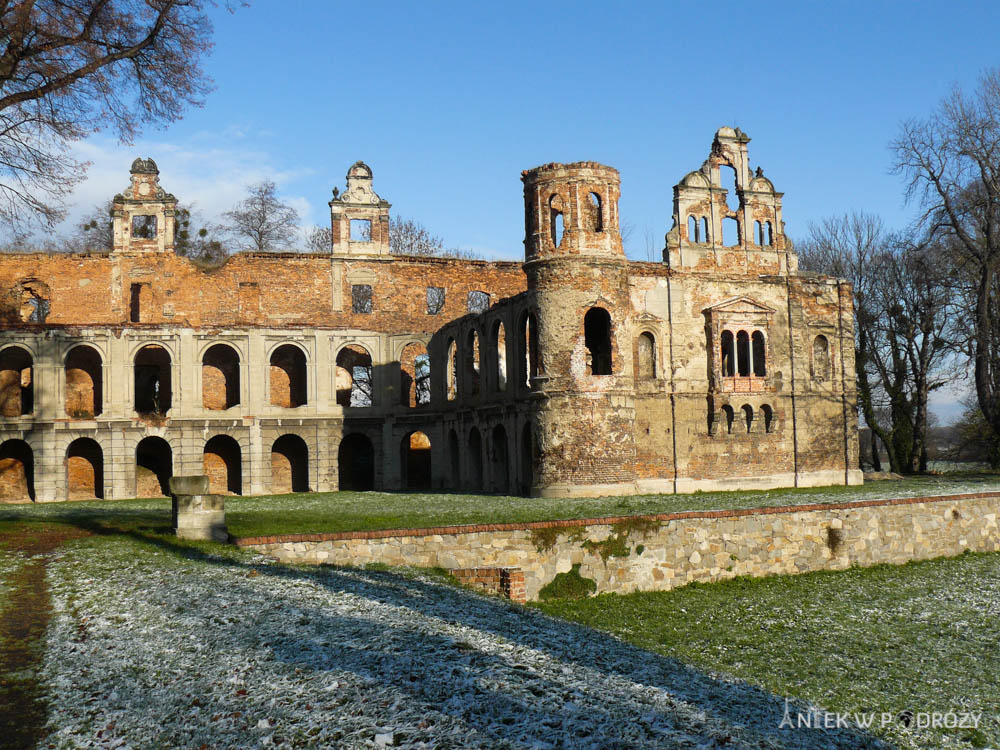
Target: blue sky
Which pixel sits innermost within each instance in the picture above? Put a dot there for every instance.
(448, 102)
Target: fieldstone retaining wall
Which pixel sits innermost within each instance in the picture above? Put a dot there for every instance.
(659, 552)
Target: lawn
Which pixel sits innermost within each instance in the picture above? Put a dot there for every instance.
(352, 511)
(921, 637)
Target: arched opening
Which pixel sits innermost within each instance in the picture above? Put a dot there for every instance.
(84, 383)
(475, 460)
(769, 234)
(595, 216)
(704, 230)
(354, 376)
(758, 233)
(821, 358)
(527, 460)
(528, 348)
(768, 413)
(84, 470)
(220, 377)
(17, 380)
(289, 465)
(556, 220)
(743, 353)
(223, 466)
(17, 472)
(730, 417)
(759, 354)
(356, 463)
(501, 462)
(727, 180)
(499, 339)
(747, 416)
(451, 373)
(646, 356)
(455, 458)
(730, 232)
(472, 362)
(288, 377)
(414, 376)
(153, 467)
(153, 393)
(728, 353)
(693, 229)
(415, 460)
(478, 302)
(597, 338)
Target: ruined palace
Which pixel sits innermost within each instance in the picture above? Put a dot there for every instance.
(576, 372)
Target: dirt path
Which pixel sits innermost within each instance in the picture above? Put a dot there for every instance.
(22, 639)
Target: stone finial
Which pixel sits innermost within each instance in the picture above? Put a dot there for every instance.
(144, 166)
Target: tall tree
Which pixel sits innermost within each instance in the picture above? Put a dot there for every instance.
(951, 161)
(261, 222)
(410, 237)
(71, 67)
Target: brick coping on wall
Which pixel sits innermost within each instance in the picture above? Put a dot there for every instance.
(602, 521)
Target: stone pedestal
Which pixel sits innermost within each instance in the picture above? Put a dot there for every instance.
(196, 513)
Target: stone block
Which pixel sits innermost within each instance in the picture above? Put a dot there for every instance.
(189, 485)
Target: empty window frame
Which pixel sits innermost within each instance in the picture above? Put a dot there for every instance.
(144, 227)
(768, 414)
(361, 299)
(435, 299)
(646, 356)
(759, 347)
(361, 230)
(747, 416)
(478, 302)
(556, 219)
(597, 338)
(743, 353)
(595, 217)
(728, 355)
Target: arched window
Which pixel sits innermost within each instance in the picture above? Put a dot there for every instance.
(354, 376)
(451, 371)
(759, 354)
(84, 383)
(17, 472)
(472, 362)
(220, 377)
(289, 465)
(768, 413)
(646, 356)
(743, 353)
(152, 380)
(730, 417)
(500, 461)
(16, 382)
(415, 461)
(223, 463)
(356, 463)
(499, 338)
(747, 416)
(728, 355)
(84, 470)
(597, 338)
(556, 220)
(475, 460)
(288, 377)
(414, 376)
(528, 348)
(769, 236)
(153, 467)
(693, 229)
(595, 218)
(821, 358)
(730, 232)
(704, 230)
(758, 233)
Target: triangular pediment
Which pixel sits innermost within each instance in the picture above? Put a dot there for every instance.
(739, 306)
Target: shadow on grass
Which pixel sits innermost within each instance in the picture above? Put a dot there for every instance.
(601, 684)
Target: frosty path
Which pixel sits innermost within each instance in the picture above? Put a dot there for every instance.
(157, 645)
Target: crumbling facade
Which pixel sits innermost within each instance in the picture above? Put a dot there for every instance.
(577, 372)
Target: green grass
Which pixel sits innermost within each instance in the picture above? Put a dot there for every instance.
(921, 636)
(354, 511)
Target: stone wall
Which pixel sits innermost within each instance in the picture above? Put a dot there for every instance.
(660, 552)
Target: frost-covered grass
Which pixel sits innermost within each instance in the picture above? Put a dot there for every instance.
(922, 636)
(159, 644)
(353, 511)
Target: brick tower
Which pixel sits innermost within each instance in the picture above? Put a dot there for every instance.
(577, 273)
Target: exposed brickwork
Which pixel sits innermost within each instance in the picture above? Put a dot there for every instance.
(505, 582)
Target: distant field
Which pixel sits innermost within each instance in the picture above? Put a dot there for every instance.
(353, 511)
(920, 637)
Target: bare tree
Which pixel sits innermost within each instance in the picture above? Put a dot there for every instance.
(410, 237)
(262, 222)
(196, 238)
(95, 232)
(71, 67)
(951, 161)
(319, 240)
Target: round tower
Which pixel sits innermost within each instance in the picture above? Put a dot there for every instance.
(578, 284)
